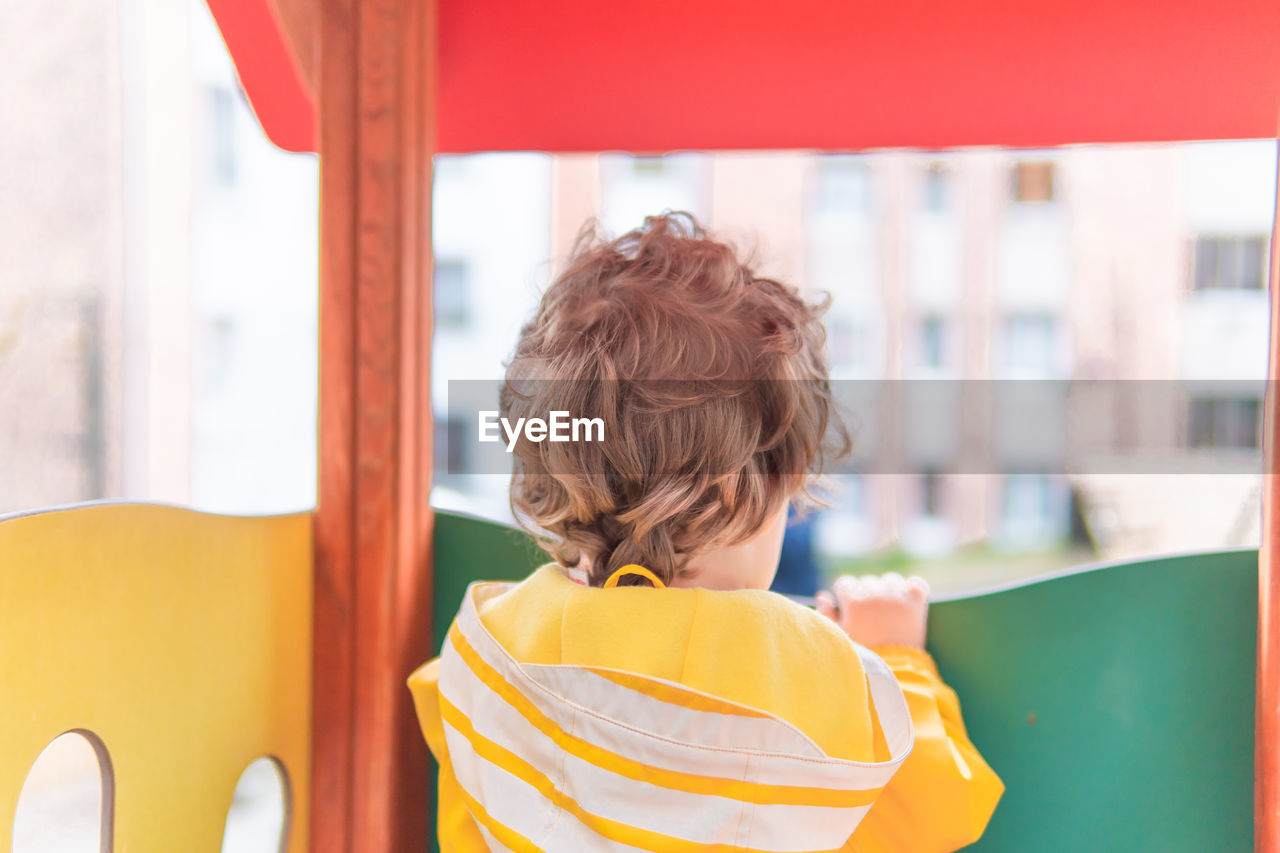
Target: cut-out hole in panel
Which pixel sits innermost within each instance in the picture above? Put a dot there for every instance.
(259, 815)
(66, 801)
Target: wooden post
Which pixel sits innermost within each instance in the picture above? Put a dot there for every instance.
(376, 93)
(1266, 823)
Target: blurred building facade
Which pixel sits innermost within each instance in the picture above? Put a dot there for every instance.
(61, 273)
(1128, 263)
(157, 269)
(158, 305)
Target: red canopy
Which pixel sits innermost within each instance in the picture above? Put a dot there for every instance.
(564, 75)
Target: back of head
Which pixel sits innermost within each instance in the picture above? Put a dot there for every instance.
(710, 381)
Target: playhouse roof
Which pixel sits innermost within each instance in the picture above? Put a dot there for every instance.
(565, 75)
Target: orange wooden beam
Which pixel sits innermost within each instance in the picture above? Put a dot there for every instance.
(373, 529)
(1266, 822)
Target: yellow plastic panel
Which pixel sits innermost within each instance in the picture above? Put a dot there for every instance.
(182, 640)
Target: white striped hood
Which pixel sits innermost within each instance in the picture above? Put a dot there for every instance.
(573, 758)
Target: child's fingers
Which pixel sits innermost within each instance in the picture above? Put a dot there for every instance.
(894, 584)
(848, 591)
(847, 587)
(827, 605)
(870, 586)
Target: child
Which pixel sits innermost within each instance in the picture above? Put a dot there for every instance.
(645, 691)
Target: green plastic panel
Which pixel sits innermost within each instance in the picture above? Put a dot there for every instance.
(1116, 703)
(471, 549)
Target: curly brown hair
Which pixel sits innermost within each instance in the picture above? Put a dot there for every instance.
(710, 380)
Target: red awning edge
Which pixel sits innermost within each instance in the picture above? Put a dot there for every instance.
(268, 72)
(562, 75)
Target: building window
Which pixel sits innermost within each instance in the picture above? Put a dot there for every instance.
(451, 294)
(931, 494)
(853, 501)
(937, 188)
(451, 447)
(847, 343)
(216, 358)
(1030, 344)
(1033, 181)
(843, 184)
(631, 189)
(846, 528)
(450, 167)
(840, 341)
(932, 342)
(1217, 422)
(1025, 499)
(1231, 263)
(649, 167)
(222, 135)
(1035, 512)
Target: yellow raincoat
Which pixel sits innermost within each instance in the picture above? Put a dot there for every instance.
(572, 718)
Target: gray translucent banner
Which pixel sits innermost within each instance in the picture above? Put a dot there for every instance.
(901, 426)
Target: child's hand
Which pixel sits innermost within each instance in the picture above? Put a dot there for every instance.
(888, 610)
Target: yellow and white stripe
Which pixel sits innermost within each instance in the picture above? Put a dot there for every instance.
(568, 758)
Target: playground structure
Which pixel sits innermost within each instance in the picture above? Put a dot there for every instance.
(123, 613)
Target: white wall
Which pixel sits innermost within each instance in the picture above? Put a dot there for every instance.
(254, 295)
(492, 213)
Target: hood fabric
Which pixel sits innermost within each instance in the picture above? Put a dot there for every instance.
(594, 758)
